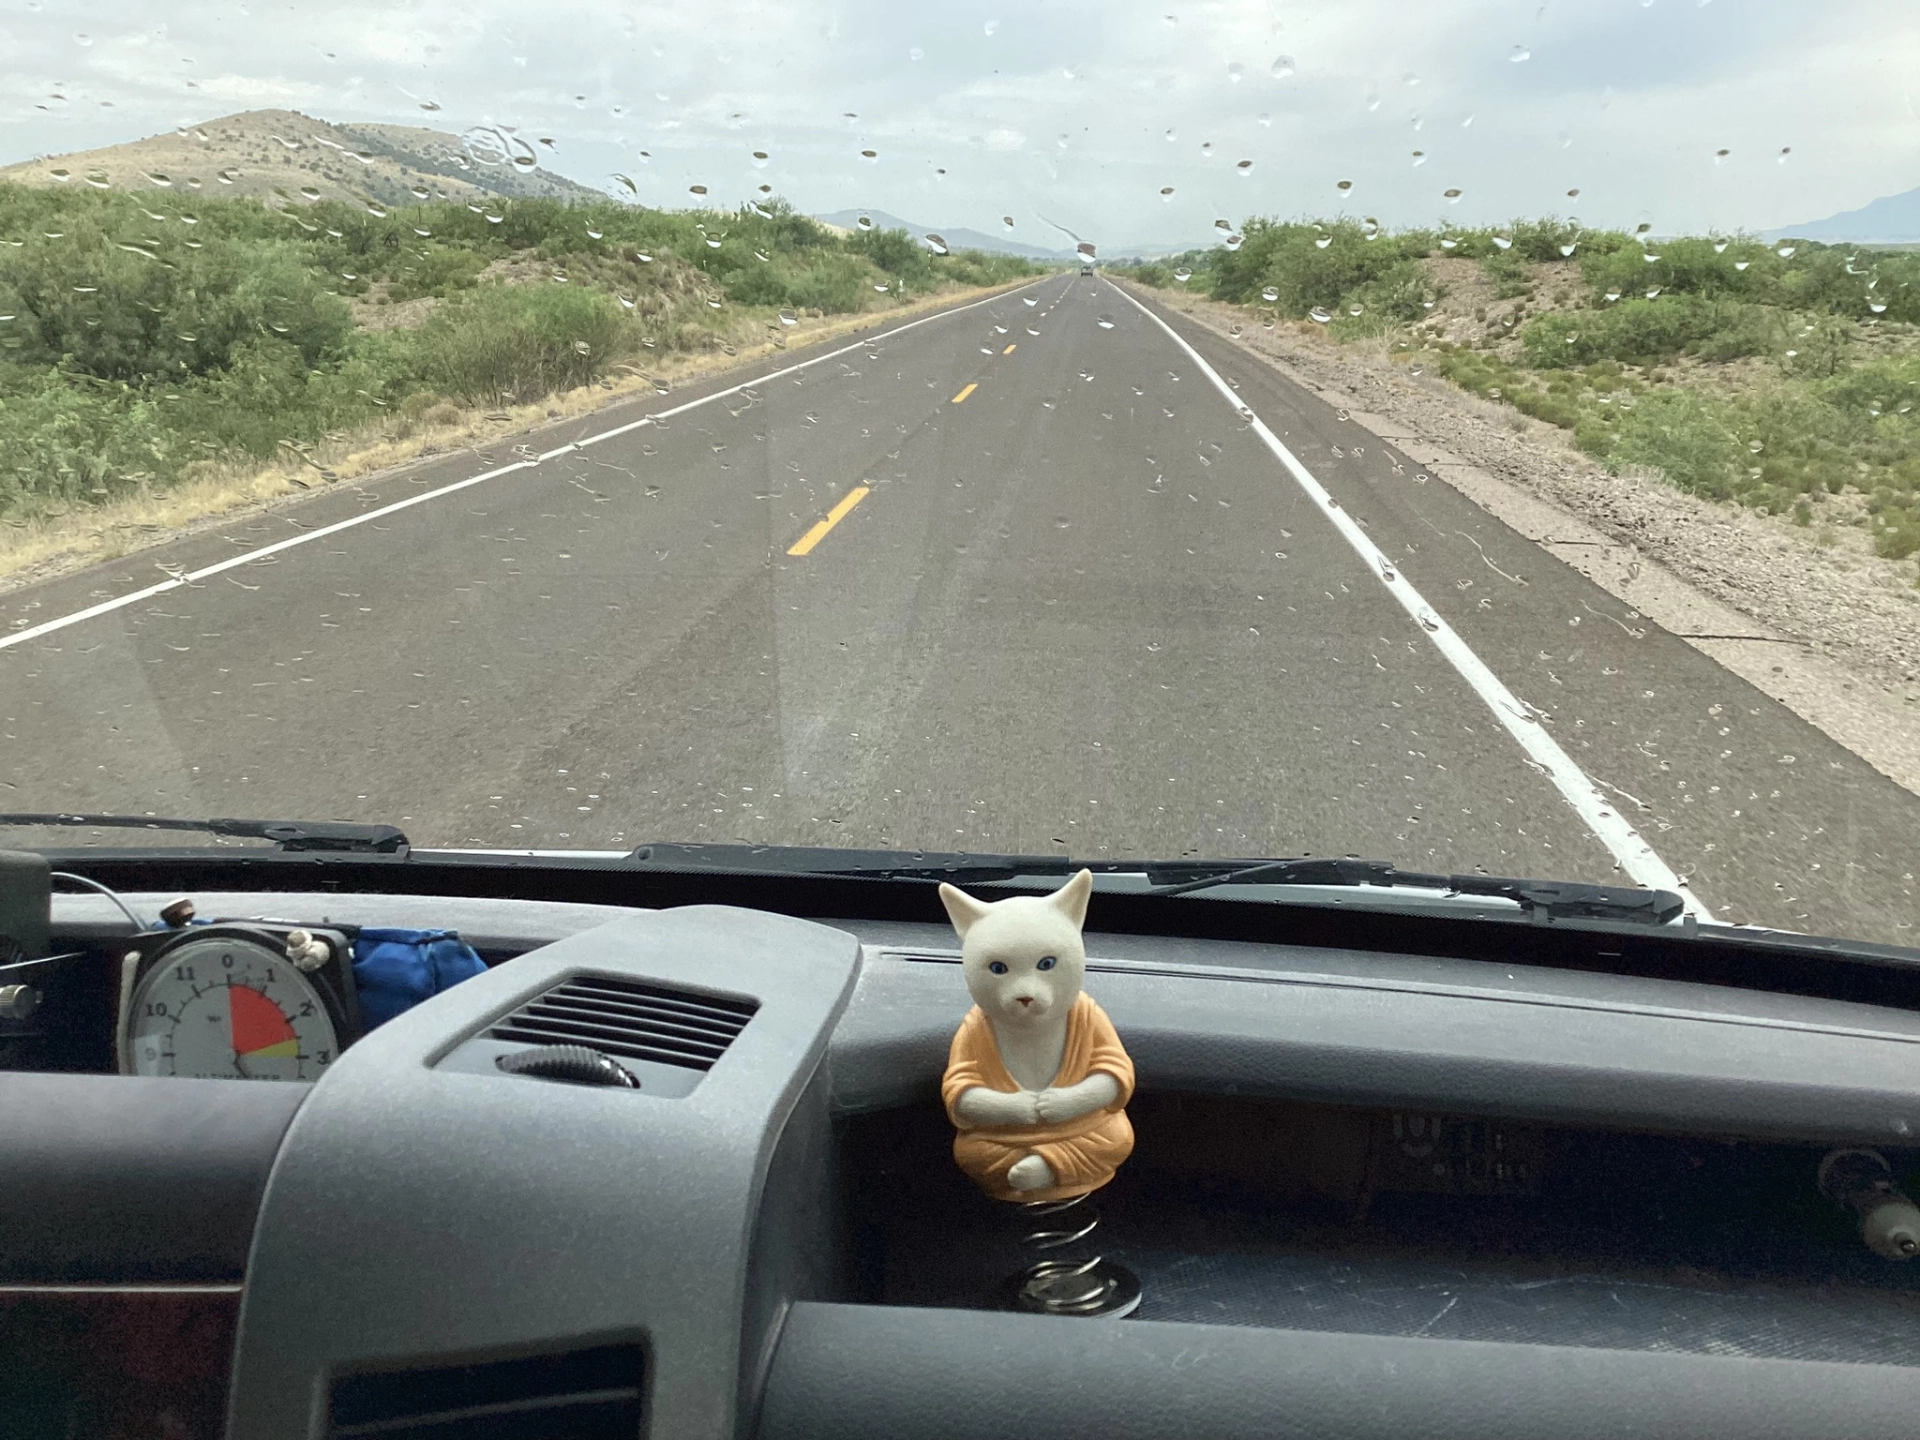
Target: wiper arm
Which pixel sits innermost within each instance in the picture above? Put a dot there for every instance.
(328, 835)
(1542, 899)
(957, 868)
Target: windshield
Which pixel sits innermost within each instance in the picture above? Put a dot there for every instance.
(1480, 437)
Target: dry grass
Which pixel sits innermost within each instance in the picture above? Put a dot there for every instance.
(31, 551)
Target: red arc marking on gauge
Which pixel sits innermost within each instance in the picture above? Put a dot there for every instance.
(258, 1026)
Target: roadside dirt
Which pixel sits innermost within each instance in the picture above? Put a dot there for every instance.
(1810, 616)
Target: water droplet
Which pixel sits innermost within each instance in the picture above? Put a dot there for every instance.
(991, 26)
(1270, 294)
(374, 210)
(83, 40)
(1741, 264)
(865, 222)
(1282, 67)
(1319, 314)
(1183, 274)
(1419, 158)
(1006, 222)
(1235, 71)
(1322, 240)
(1452, 196)
(1653, 292)
(1519, 54)
(1502, 242)
(869, 154)
(936, 243)
(1234, 241)
(1566, 250)
(1105, 322)
(643, 257)
(1345, 187)
(154, 177)
(1785, 252)
(1244, 167)
(696, 189)
(1781, 158)
(1878, 307)
(787, 317)
(916, 53)
(1356, 308)
(760, 159)
(1611, 296)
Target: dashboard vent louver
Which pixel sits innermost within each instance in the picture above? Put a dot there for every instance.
(591, 1394)
(630, 1020)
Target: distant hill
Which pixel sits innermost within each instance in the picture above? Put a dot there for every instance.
(1890, 220)
(284, 154)
(957, 237)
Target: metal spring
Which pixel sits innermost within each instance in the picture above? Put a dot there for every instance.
(1058, 1285)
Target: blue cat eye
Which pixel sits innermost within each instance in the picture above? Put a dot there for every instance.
(998, 967)
(1046, 963)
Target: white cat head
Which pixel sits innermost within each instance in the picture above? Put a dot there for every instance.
(1023, 958)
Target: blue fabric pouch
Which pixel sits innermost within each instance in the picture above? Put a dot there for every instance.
(394, 970)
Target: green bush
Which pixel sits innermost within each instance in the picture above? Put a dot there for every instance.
(513, 342)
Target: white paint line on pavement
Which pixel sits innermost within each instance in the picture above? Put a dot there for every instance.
(307, 537)
(1608, 825)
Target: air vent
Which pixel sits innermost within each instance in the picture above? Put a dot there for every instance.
(590, 1394)
(631, 1021)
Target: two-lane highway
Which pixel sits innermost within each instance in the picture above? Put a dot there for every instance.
(1048, 572)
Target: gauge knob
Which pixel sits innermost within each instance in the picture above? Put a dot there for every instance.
(575, 1064)
(18, 1002)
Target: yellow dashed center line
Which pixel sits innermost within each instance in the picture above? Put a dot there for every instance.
(1009, 349)
(839, 512)
(966, 392)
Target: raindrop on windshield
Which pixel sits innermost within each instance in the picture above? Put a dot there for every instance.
(1270, 294)
(1105, 322)
(1281, 68)
(1183, 274)
(787, 317)
(1319, 314)
(1452, 196)
(935, 243)
(1519, 54)
(1166, 192)
(1244, 167)
(1785, 252)
(760, 159)
(1345, 187)
(991, 26)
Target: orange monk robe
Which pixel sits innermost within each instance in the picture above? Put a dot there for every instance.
(1082, 1153)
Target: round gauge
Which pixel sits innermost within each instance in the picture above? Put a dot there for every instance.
(223, 1008)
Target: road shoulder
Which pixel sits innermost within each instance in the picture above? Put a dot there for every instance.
(1873, 710)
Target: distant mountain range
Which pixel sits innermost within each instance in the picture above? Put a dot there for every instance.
(293, 157)
(957, 237)
(1890, 220)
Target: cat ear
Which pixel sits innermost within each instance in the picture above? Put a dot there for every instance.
(1071, 898)
(962, 908)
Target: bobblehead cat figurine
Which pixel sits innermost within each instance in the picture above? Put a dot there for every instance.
(1036, 1080)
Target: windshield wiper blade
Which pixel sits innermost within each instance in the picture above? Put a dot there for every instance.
(956, 868)
(321, 835)
(1542, 899)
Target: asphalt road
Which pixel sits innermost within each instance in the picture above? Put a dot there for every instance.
(1061, 593)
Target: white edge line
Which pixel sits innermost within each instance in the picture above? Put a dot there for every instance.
(307, 537)
(1611, 828)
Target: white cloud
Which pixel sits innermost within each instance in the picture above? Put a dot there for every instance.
(1064, 108)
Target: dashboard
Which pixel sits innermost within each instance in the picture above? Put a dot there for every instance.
(1374, 1192)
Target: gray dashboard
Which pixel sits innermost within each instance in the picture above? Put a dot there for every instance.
(415, 1211)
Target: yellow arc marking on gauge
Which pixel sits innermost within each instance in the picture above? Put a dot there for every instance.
(1009, 349)
(281, 1050)
(813, 537)
(966, 392)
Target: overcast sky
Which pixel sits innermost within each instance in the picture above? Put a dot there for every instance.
(1081, 111)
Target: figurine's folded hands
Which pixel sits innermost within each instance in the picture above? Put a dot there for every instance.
(981, 1106)
(1069, 1102)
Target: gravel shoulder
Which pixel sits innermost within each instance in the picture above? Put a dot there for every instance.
(1812, 618)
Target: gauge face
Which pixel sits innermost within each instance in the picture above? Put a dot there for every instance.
(227, 1009)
